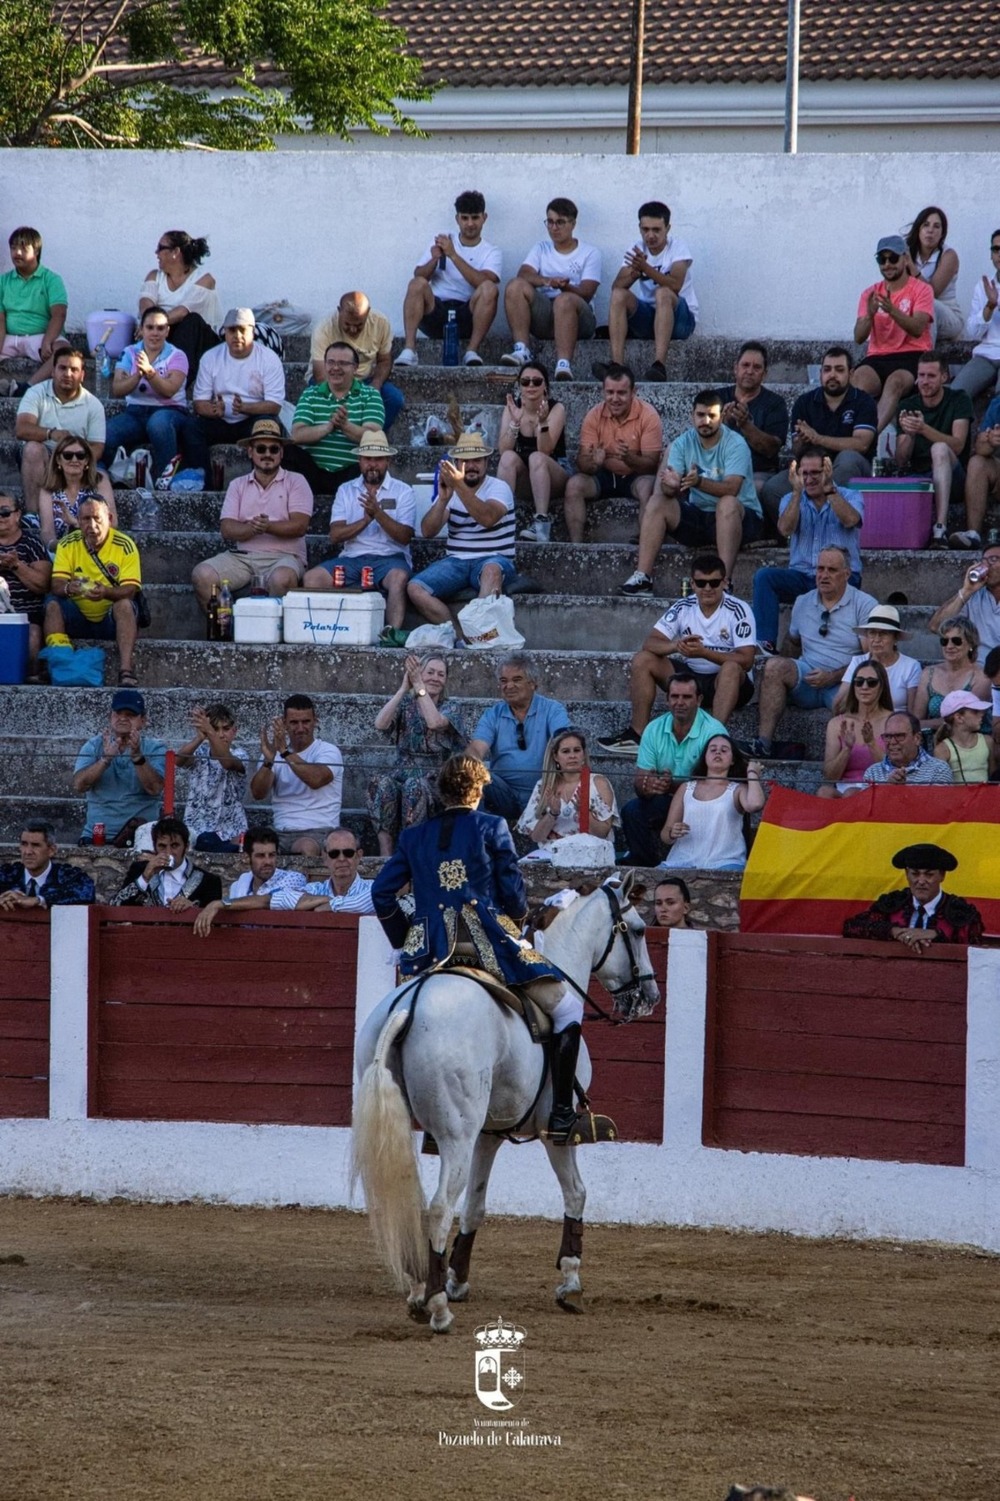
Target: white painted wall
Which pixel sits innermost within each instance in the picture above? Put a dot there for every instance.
(678, 1182)
(783, 245)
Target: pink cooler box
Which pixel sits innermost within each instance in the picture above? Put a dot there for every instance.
(898, 511)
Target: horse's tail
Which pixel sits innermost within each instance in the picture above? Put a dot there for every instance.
(383, 1159)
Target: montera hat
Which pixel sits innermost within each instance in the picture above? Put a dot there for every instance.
(884, 618)
(374, 445)
(264, 427)
(924, 857)
(470, 446)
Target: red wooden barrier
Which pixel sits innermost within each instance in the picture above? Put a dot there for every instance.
(628, 1060)
(835, 1048)
(254, 1023)
(24, 1013)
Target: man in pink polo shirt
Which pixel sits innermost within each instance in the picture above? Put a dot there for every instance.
(264, 519)
(896, 316)
(620, 445)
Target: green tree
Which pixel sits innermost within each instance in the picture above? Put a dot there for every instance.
(111, 72)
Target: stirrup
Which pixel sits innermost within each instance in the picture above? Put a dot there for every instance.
(429, 1147)
(587, 1127)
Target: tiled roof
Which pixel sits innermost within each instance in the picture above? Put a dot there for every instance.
(546, 43)
(551, 42)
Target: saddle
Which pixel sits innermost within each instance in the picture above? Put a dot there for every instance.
(538, 1023)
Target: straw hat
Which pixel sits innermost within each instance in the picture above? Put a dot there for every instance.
(264, 427)
(470, 446)
(885, 618)
(374, 445)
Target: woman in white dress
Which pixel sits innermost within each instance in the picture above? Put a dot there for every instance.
(186, 293)
(552, 813)
(704, 826)
(935, 262)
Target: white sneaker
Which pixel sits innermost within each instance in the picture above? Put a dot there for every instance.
(472, 357)
(519, 355)
(406, 357)
(637, 583)
(564, 370)
(965, 539)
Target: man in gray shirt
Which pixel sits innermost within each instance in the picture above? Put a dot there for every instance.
(822, 639)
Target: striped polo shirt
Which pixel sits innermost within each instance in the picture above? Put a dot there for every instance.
(317, 403)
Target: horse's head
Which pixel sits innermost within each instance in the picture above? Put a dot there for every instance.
(624, 968)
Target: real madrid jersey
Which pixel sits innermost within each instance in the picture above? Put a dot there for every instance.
(731, 626)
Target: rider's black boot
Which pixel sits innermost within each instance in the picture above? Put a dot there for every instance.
(565, 1050)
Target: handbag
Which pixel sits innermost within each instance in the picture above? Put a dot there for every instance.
(79, 668)
(143, 614)
(489, 623)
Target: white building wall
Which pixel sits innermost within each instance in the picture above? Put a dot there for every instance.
(782, 245)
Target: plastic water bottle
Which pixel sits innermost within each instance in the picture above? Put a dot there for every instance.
(212, 616)
(224, 613)
(102, 370)
(449, 353)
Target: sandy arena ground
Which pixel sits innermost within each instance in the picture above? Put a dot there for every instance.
(193, 1353)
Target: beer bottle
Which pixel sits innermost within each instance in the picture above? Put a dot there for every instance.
(212, 624)
(224, 614)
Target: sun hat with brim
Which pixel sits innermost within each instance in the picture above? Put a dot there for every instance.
(374, 445)
(884, 618)
(470, 446)
(960, 699)
(265, 427)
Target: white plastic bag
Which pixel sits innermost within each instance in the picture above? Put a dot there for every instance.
(488, 624)
(122, 468)
(432, 635)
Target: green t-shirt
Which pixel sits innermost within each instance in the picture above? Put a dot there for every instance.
(953, 406)
(27, 303)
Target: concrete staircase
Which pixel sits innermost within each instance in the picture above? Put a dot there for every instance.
(581, 630)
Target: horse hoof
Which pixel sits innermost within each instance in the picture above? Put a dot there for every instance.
(443, 1324)
(418, 1313)
(457, 1292)
(570, 1301)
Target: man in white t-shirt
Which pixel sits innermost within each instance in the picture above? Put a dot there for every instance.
(304, 777)
(462, 278)
(237, 381)
(652, 297)
(712, 634)
(551, 294)
(372, 522)
(479, 512)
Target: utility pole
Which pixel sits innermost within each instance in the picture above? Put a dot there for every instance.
(792, 80)
(638, 40)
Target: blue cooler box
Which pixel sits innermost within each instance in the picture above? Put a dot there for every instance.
(898, 511)
(13, 648)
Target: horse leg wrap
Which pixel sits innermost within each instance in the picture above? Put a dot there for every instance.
(572, 1240)
(436, 1271)
(461, 1255)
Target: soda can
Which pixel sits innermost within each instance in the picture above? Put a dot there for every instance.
(367, 578)
(339, 577)
(140, 471)
(97, 834)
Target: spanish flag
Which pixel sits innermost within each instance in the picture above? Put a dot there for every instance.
(816, 861)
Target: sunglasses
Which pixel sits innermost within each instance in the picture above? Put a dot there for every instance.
(866, 682)
(161, 248)
(952, 640)
(901, 735)
(267, 448)
(76, 457)
(522, 744)
(824, 623)
(532, 380)
(995, 250)
(888, 255)
(708, 583)
(338, 854)
(7, 511)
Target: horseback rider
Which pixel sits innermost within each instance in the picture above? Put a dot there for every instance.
(468, 895)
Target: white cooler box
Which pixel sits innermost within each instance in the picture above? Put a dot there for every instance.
(334, 618)
(257, 620)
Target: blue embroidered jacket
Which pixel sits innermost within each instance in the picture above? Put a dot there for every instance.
(461, 865)
(65, 886)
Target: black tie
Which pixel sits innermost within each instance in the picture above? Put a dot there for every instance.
(33, 887)
(921, 915)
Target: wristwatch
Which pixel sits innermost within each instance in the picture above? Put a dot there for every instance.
(420, 693)
(138, 760)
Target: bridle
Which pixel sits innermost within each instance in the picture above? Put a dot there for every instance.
(619, 929)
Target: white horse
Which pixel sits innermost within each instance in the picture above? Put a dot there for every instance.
(443, 1051)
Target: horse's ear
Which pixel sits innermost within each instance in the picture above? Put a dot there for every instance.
(628, 882)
